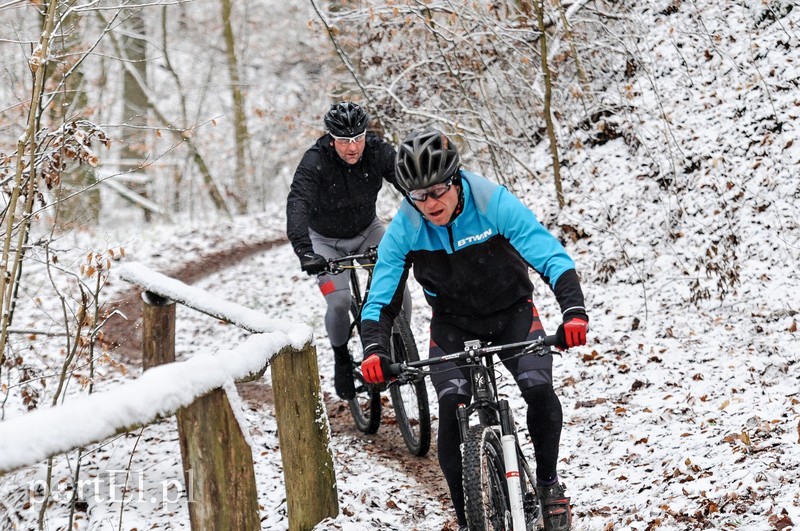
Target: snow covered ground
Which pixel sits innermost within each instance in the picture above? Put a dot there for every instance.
(687, 420)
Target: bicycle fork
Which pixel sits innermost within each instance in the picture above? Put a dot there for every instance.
(508, 440)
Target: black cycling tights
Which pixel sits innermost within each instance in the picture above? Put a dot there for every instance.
(544, 425)
(449, 450)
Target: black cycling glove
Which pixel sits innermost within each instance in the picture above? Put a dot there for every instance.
(313, 263)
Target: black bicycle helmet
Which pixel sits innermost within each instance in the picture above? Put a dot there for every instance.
(425, 158)
(346, 119)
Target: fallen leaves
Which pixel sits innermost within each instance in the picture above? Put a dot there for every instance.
(594, 356)
(745, 438)
(781, 521)
(636, 385)
(589, 403)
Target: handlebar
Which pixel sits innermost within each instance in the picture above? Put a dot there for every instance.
(337, 265)
(475, 349)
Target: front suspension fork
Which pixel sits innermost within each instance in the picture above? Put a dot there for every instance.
(508, 439)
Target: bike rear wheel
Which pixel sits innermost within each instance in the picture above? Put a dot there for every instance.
(365, 407)
(486, 500)
(410, 400)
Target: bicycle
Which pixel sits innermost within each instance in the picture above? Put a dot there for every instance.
(409, 400)
(499, 487)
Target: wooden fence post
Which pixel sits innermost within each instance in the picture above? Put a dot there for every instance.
(158, 330)
(217, 461)
(311, 494)
(218, 466)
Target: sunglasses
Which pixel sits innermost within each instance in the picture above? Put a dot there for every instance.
(436, 191)
(348, 139)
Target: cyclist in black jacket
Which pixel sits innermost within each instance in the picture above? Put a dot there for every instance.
(330, 212)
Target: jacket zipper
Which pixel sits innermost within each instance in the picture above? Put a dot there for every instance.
(450, 237)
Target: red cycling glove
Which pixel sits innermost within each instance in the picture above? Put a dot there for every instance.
(572, 332)
(575, 332)
(373, 368)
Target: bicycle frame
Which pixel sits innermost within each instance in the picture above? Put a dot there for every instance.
(491, 411)
(410, 402)
(495, 413)
(336, 266)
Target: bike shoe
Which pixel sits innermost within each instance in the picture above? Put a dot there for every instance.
(555, 507)
(343, 377)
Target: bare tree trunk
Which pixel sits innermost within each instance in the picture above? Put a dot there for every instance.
(77, 200)
(548, 94)
(183, 133)
(239, 117)
(584, 79)
(26, 144)
(135, 101)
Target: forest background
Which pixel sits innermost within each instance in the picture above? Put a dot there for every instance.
(657, 139)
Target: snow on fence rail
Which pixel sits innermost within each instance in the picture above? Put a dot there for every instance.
(212, 444)
(202, 301)
(156, 394)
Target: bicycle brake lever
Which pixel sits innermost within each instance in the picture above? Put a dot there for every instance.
(542, 346)
(536, 348)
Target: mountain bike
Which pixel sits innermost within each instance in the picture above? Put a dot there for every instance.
(409, 399)
(499, 487)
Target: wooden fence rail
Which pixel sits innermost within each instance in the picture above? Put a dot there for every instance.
(212, 444)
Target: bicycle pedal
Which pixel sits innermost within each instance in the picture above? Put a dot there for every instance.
(530, 505)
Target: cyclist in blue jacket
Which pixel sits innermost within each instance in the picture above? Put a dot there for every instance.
(471, 243)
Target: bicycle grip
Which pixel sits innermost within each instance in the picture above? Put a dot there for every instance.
(551, 341)
(394, 370)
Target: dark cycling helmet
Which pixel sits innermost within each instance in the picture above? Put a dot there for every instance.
(346, 119)
(425, 158)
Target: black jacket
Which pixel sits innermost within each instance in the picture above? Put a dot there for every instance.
(332, 197)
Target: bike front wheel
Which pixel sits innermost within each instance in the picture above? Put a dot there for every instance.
(410, 400)
(486, 500)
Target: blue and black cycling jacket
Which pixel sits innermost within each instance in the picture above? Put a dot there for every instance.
(476, 266)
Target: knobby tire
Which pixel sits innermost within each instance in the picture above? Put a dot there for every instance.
(486, 499)
(410, 400)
